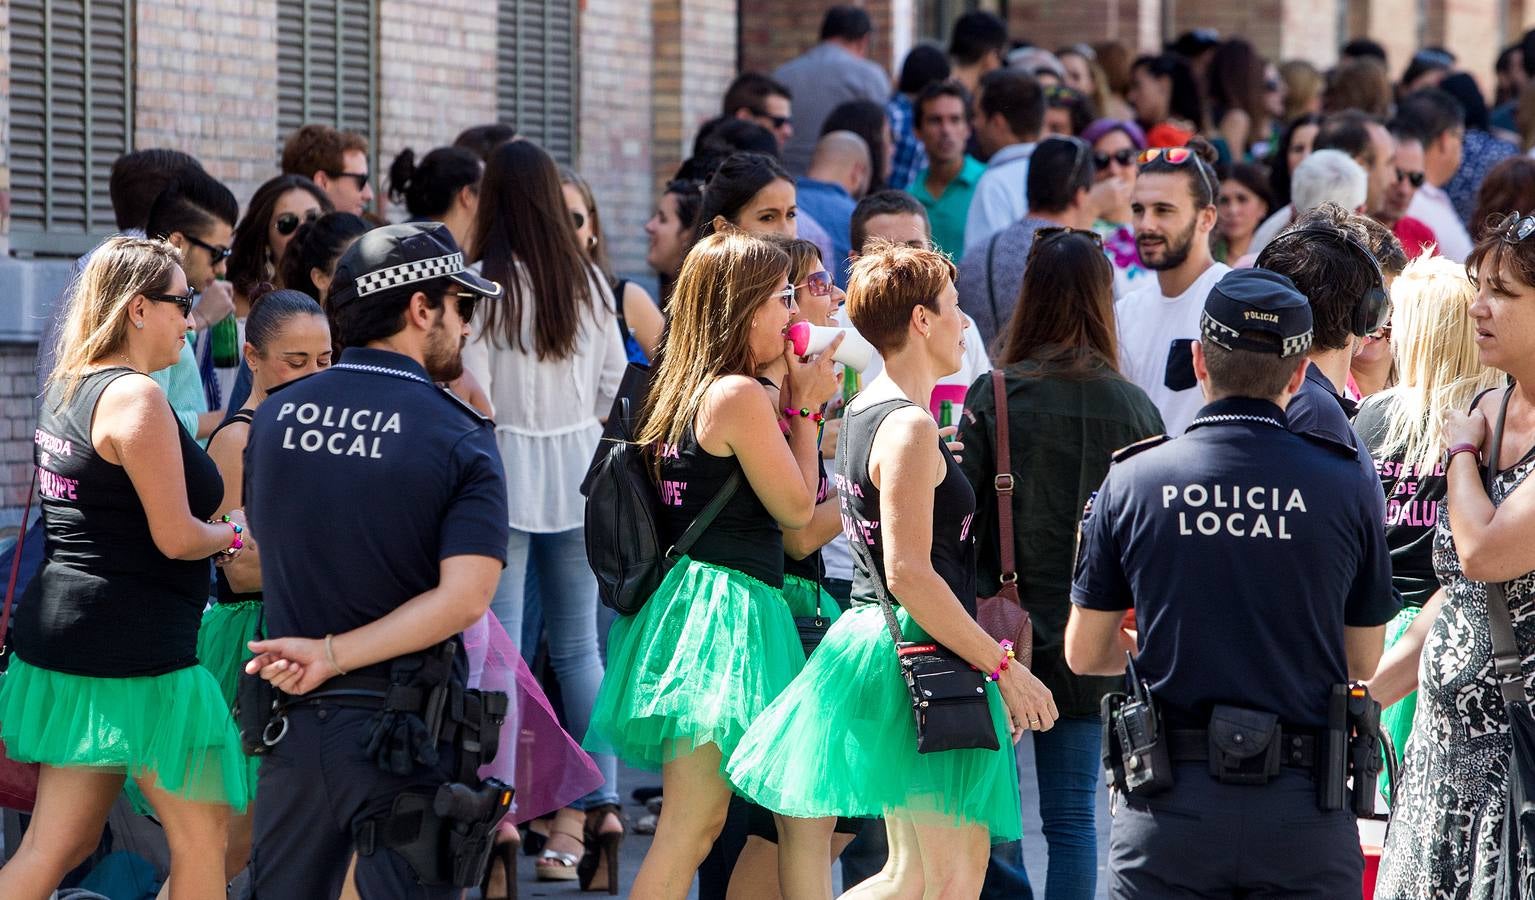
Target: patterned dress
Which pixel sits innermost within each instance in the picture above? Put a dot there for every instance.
(1446, 829)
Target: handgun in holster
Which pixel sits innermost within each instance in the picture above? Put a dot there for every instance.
(1135, 746)
(1352, 750)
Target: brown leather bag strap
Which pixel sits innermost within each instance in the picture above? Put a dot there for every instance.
(1003, 483)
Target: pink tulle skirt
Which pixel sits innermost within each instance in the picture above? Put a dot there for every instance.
(537, 757)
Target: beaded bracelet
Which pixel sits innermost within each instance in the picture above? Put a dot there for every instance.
(237, 543)
(1007, 656)
(804, 413)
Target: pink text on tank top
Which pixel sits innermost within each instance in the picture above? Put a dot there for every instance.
(55, 486)
(56, 445)
(847, 486)
(1403, 507)
(964, 528)
(858, 530)
(672, 491)
(669, 451)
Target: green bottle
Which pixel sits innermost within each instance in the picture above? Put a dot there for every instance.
(849, 385)
(945, 413)
(226, 343)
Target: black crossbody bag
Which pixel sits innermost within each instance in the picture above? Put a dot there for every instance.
(948, 696)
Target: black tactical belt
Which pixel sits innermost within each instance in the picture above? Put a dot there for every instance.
(1297, 749)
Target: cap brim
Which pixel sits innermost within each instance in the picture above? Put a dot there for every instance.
(482, 286)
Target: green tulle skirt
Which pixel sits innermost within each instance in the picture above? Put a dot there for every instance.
(804, 596)
(175, 728)
(841, 741)
(1396, 719)
(223, 649)
(704, 656)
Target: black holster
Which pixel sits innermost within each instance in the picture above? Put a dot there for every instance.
(258, 714)
(1135, 746)
(445, 836)
(1352, 751)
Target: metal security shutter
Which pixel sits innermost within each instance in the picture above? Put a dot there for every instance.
(71, 117)
(536, 87)
(327, 66)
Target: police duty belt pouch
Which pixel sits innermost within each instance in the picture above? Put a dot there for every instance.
(1137, 758)
(948, 695)
(623, 536)
(1244, 745)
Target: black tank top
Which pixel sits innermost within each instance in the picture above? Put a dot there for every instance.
(227, 594)
(107, 603)
(811, 568)
(745, 537)
(953, 509)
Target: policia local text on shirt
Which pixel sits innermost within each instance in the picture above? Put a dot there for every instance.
(382, 512)
(1255, 561)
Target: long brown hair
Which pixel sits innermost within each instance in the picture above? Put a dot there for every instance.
(1065, 312)
(523, 221)
(725, 278)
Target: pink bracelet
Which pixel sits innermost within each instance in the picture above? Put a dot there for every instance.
(1007, 656)
(237, 541)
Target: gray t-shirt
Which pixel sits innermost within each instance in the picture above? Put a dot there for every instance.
(821, 79)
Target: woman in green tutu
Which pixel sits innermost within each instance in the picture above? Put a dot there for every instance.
(286, 337)
(715, 643)
(104, 684)
(841, 741)
(755, 874)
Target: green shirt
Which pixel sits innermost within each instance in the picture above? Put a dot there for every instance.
(183, 386)
(947, 213)
(1061, 433)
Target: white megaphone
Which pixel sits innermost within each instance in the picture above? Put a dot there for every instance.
(809, 339)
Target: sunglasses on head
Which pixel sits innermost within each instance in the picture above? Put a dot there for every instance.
(818, 283)
(183, 301)
(361, 178)
(1413, 178)
(1043, 236)
(217, 253)
(288, 222)
(1514, 228)
(1175, 155)
(1125, 157)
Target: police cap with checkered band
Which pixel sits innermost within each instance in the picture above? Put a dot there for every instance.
(398, 259)
(1257, 300)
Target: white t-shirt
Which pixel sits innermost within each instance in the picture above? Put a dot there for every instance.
(1432, 206)
(1155, 331)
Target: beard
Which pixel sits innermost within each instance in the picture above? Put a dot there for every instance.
(1171, 253)
(444, 354)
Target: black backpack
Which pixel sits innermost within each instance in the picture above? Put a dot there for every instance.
(623, 537)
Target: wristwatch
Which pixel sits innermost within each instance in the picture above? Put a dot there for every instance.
(1463, 447)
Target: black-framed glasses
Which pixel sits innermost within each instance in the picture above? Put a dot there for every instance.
(817, 283)
(217, 252)
(1514, 228)
(578, 218)
(288, 222)
(183, 301)
(360, 178)
(1125, 157)
(1413, 178)
(778, 121)
(466, 302)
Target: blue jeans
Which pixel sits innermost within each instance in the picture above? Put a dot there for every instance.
(567, 591)
(1066, 763)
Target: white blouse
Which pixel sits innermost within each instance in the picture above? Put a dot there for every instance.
(548, 411)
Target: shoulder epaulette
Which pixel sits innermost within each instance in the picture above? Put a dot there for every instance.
(474, 414)
(1331, 444)
(1124, 453)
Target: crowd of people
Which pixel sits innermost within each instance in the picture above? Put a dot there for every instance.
(1317, 284)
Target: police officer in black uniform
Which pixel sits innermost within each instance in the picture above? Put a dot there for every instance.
(1255, 561)
(380, 504)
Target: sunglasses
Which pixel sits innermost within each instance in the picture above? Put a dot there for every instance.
(361, 178)
(578, 218)
(288, 222)
(1514, 228)
(1125, 157)
(786, 295)
(218, 253)
(1176, 156)
(1043, 236)
(183, 301)
(465, 301)
(778, 121)
(818, 283)
(1413, 178)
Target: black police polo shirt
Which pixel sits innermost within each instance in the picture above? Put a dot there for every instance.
(1245, 550)
(359, 481)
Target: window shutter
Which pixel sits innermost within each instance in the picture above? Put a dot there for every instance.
(536, 86)
(327, 66)
(71, 117)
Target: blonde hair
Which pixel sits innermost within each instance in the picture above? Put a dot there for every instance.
(95, 318)
(726, 277)
(1433, 342)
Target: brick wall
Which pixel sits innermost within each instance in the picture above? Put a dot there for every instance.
(17, 387)
(205, 81)
(774, 33)
(1382, 20)
(1472, 30)
(694, 58)
(1055, 23)
(616, 153)
(436, 73)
